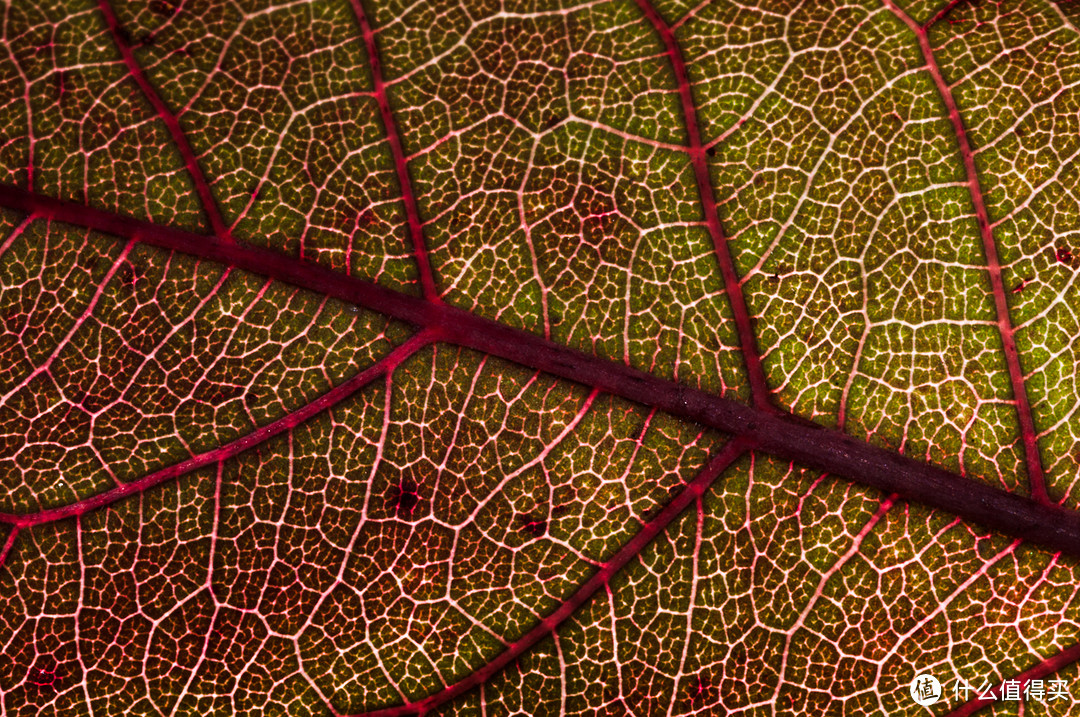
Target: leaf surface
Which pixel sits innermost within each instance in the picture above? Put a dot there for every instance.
(629, 357)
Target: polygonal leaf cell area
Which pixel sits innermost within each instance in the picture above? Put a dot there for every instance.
(546, 357)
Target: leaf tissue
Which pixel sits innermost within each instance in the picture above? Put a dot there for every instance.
(539, 357)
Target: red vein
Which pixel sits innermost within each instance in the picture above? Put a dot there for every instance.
(210, 207)
(1048, 666)
(260, 435)
(759, 388)
(940, 15)
(811, 445)
(408, 197)
(8, 544)
(694, 490)
(1036, 480)
(823, 581)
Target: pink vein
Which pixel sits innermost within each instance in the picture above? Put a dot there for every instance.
(1052, 527)
(1036, 481)
(408, 197)
(759, 389)
(329, 399)
(826, 576)
(692, 492)
(942, 13)
(1048, 666)
(8, 544)
(213, 214)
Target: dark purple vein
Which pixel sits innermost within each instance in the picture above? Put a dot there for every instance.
(210, 207)
(260, 435)
(759, 388)
(1047, 667)
(632, 549)
(789, 437)
(1033, 462)
(408, 197)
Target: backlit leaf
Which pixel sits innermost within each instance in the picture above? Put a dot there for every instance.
(538, 357)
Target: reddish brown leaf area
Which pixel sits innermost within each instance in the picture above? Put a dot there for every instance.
(638, 357)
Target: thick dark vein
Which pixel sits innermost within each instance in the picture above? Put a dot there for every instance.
(260, 435)
(632, 549)
(408, 196)
(1028, 435)
(759, 388)
(172, 124)
(1049, 666)
(792, 438)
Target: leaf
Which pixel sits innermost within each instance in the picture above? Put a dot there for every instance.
(617, 357)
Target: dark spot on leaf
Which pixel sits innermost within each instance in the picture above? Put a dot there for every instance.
(1064, 255)
(128, 276)
(987, 547)
(711, 151)
(405, 497)
(162, 8)
(553, 121)
(407, 501)
(459, 221)
(123, 35)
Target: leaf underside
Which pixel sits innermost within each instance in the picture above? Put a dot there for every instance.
(536, 357)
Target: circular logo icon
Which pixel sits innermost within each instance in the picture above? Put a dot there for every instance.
(925, 689)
